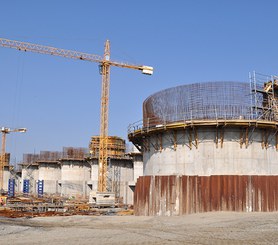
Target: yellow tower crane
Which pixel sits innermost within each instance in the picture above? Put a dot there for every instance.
(4, 160)
(104, 63)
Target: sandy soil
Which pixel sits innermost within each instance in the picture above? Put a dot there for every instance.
(206, 228)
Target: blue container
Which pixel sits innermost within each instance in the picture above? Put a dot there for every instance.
(26, 186)
(11, 187)
(40, 188)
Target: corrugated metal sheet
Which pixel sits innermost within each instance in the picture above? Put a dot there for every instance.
(179, 195)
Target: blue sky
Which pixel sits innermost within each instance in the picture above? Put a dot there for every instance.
(186, 41)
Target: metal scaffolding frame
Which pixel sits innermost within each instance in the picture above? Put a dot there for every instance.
(264, 96)
(71, 153)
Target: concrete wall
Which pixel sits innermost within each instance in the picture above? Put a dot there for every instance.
(50, 173)
(74, 177)
(126, 174)
(258, 157)
(10, 174)
(138, 166)
(6, 177)
(123, 172)
(94, 174)
(77, 177)
(31, 173)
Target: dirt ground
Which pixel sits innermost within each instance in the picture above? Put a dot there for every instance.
(205, 228)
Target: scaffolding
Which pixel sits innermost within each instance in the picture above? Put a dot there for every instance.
(31, 161)
(264, 99)
(5, 159)
(117, 181)
(115, 146)
(30, 158)
(116, 149)
(71, 153)
(75, 153)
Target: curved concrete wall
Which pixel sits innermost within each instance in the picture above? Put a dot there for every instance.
(255, 156)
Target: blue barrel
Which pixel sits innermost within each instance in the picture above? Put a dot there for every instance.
(40, 188)
(11, 187)
(26, 186)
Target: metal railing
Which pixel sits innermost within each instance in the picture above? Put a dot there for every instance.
(215, 115)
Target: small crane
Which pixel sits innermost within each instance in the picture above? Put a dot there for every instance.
(104, 64)
(4, 160)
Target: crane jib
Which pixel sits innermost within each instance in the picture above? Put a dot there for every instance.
(42, 49)
(104, 68)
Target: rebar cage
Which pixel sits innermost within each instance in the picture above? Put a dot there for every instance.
(199, 101)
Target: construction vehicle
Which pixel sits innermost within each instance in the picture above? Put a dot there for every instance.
(104, 64)
(4, 159)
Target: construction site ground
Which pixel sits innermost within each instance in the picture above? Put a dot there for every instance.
(203, 228)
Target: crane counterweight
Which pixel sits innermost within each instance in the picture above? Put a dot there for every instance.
(147, 70)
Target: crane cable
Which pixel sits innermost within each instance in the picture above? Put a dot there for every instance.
(16, 105)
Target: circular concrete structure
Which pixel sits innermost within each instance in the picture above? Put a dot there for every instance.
(204, 151)
(206, 129)
(208, 147)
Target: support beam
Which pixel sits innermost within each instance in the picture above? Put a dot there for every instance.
(241, 139)
(222, 137)
(246, 137)
(175, 139)
(276, 143)
(190, 139)
(196, 138)
(216, 137)
(160, 142)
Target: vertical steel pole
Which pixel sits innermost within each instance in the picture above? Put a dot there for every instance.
(103, 140)
(3, 159)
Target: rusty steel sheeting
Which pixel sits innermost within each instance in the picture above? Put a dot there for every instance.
(179, 195)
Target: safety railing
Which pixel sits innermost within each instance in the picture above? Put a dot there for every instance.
(243, 113)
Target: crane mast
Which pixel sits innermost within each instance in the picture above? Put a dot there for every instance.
(103, 140)
(105, 63)
(3, 159)
(3, 162)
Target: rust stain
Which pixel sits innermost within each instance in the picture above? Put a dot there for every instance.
(179, 195)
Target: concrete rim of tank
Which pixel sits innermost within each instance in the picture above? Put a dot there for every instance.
(139, 133)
